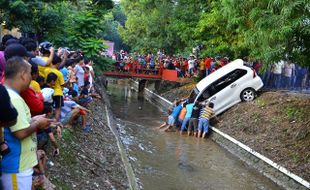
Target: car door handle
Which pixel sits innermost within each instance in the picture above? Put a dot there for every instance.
(233, 86)
(213, 98)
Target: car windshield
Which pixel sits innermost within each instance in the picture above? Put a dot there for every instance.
(193, 95)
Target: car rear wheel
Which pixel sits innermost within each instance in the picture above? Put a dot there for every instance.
(247, 95)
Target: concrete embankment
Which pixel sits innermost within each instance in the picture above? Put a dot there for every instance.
(267, 167)
(133, 184)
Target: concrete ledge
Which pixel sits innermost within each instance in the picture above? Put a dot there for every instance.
(132, 180)
(267, 167)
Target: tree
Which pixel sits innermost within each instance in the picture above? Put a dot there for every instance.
(272, 30)
(269, 30)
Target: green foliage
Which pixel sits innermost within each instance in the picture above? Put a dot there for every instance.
(296, 112)
(112, 21)
(77, 24)
(104, 64)
(269, 30)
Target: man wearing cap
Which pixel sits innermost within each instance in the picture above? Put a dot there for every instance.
(17, 165)
(14, 49)
(5, 38)
(17, 50)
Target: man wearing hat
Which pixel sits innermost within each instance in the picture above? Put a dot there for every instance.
(17, 50)
(13, 49)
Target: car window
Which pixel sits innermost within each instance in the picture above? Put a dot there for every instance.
(221, 83)
(207, 93)
(193, 95)
(228, 79)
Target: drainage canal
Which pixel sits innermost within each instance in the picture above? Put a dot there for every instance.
(169, 161)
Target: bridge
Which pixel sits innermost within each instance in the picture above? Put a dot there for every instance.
(165, 74)
(147, 75)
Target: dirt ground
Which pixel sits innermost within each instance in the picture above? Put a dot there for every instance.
(89, 160)
(275, 124)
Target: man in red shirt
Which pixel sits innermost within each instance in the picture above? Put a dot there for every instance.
(34, 100)
(208, 62)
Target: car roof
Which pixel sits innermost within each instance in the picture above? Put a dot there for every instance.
(238, 63)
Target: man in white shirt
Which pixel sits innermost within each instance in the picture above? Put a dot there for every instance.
(277, 71)
(289, 69)
(191, 65)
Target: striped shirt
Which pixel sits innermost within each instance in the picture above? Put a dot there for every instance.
(206, 113)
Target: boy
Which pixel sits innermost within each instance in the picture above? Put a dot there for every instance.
(205, 115)
(72, 110)
(59, 83)
(85, 99)
(193, 122)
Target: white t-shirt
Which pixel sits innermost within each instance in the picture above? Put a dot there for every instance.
(79, 72)
(191, 64)
(277, 67)
(288, 69)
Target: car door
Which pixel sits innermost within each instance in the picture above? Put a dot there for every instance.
(227, 90)
(223, 91)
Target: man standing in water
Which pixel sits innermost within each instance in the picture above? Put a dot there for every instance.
(177, 107)
(205, 115)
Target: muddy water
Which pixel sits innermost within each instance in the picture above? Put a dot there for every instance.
(168, 161)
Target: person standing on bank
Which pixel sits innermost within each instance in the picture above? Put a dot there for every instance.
(17, 165)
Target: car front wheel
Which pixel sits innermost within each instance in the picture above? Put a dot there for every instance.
(247, 95)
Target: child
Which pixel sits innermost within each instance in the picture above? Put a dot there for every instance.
(72, 110)
(44, 135)
(181, 116)
(59, 84)
(193, 122)
(85, 99)
(205, 115)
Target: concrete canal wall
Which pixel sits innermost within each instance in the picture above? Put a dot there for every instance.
(267, 167)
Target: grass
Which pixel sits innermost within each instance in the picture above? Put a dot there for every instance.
(261, 103)
(66, 158)
(256, 117)
(275, 120)
(61, 184)
(298, 113)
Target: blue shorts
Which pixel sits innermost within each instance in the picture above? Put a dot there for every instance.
(85, 100)
(66, 119)
(171, 120)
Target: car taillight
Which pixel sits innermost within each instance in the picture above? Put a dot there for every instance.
(254, 73)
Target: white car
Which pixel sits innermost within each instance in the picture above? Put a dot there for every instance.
(228, 86)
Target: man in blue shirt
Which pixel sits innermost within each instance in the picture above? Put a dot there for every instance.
(172, 117)
(189, 110)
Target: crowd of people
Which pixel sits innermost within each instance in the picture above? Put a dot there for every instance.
(155, 63)
(285, 75)
(192, 118)
(43, 91)
(281, 75)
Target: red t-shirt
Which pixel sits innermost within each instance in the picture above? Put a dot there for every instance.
(208, 62)
(186, 65)
(34, 101)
